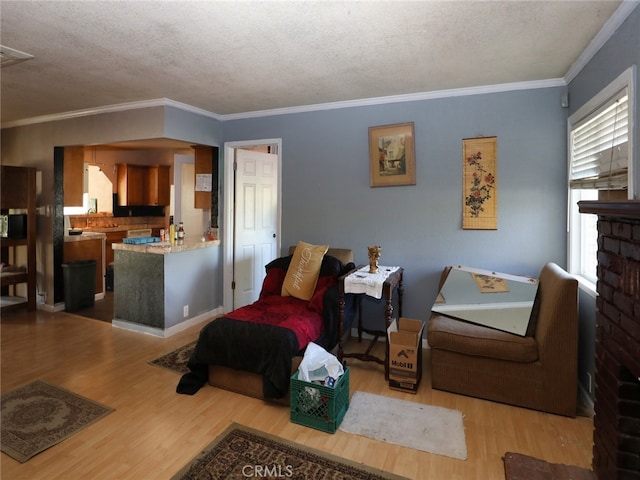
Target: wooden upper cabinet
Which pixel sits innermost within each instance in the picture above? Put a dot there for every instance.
(132, 184)
(203, 165)
(159, 185)
(73, 176)
(144, 185)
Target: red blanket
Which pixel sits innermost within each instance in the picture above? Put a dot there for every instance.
(303, 318)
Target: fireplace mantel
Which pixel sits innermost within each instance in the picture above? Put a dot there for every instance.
(611, 208)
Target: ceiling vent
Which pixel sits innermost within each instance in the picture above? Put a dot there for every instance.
(10, 56)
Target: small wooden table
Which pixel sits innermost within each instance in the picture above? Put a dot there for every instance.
(391, 283)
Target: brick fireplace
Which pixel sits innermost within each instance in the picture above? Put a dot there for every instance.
(616, 438)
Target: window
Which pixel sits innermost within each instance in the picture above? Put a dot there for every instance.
(600, 149)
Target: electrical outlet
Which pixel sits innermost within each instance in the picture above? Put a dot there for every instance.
(185, 311)
(42, 297)
(589, 382)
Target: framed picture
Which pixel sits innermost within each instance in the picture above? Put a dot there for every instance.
(480, 183)
(392, 159)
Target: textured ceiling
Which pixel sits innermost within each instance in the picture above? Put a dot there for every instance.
(232, 57)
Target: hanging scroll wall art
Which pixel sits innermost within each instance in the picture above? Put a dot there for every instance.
(392, 159)
(480, 183)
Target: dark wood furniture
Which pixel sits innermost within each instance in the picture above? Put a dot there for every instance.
(393, 282)
(18, 195)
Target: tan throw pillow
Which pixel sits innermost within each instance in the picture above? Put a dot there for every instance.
(303, 271)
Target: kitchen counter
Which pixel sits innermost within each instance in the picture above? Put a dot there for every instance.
(84, 236)
(165, 248)
(160, 289)
(122, 228)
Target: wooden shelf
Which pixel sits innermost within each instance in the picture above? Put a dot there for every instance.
(13, 278)
(18, 192)
(13, 242)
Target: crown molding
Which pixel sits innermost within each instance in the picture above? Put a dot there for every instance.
(605, 33)
(120, 107)
(413, 97)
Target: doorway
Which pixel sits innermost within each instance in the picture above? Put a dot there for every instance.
(252, 217)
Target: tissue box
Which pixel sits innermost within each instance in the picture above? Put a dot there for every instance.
(405, 354)
(318, 406)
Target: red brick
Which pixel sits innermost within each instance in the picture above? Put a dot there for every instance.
(623, 303)
(629, 426)
(604, 227)
(621, 229)
(631, 359)
(611, 245)
(611, 312)
(631, 326)
(611, 278)
(629, 443)
(630, 250)
(623, 474)
(627, 461)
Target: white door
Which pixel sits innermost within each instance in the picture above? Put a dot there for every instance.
(256, 222)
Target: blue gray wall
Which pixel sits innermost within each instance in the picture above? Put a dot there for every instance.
(620, 52)
(327, 198)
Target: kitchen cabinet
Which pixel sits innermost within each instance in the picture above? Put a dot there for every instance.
(112, 237)
(18, 196)
(158, 185)
(74, 176)
(143, 185)
(203, 165)
(131, 184)
(206, 163)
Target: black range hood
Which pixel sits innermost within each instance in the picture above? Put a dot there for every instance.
(136, 210)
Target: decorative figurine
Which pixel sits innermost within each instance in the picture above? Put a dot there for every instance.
(374, 256)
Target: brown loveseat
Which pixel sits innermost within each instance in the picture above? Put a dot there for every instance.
(538, 372)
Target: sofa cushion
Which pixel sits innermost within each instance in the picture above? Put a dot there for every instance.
(304, 269)
(463, 337)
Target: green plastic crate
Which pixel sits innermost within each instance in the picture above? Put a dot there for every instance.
(317, 406)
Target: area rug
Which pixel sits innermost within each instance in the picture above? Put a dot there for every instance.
(523, 467)
(241, 452)
(39, 415)
(409, 424)
(176, 360)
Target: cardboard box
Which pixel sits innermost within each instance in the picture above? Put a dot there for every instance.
(404, 386)
(405, 354)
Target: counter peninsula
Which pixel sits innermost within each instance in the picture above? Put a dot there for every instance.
(161, 288)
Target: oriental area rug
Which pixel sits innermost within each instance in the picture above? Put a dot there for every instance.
(523, 467)
(39, 415)
(241, 452)
(415, 425)
(177, 359)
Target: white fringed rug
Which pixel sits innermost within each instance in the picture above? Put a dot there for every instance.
(409, 424)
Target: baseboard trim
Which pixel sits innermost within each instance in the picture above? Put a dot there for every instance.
(166, 332)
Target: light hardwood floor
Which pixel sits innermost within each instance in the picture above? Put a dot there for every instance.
(153, 431)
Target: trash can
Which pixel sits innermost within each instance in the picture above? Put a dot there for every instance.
(79, 284)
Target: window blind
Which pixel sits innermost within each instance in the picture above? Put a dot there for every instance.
(600, 147)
